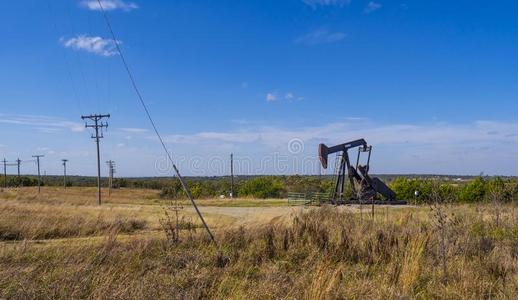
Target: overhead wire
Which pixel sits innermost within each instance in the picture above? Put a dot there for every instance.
(148, 114)
(67, 63)
(85, 95)
(93, 68)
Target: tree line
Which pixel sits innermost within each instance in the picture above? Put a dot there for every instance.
(476, 189)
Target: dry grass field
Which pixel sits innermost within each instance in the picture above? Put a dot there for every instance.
(56, 213)
(62, 245)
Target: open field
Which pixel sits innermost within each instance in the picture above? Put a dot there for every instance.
(62, 245)
(56, 213)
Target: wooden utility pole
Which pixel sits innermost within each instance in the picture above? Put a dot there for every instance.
(39, 175)
(231, 175)
(5, 173)
(111, 171)
(64, 173)
(18, 162)
(97, 126)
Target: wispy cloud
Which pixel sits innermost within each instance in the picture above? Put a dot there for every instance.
(92, 44)
(372, 6)
(134, 130)
(288, 96)
(109, 5)
(316, 3)
(270, 97)
(46, 150)
(43, 123)
(320, 36)
(421, 148)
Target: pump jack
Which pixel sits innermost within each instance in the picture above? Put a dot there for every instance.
(365, 189)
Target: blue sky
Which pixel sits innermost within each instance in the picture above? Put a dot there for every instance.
(430, 84)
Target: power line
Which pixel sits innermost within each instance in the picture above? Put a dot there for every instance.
(141, 99)
(65, 57)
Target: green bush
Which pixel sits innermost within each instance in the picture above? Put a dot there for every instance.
(20, 181)
(262, 187)
(430, 190)
(474, 191)
(405, 189)
(172, 191)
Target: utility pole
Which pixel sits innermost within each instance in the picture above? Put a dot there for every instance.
(18, 162)
(232, 175)
(111, 170)
(39, 175)
(5, 173)
(98, 124)
(64, 173)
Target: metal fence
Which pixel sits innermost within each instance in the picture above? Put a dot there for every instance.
(308, 199)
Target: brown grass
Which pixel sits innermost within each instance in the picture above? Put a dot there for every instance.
(54, 214)
(88, 196)
(321, 253)
(21, 221)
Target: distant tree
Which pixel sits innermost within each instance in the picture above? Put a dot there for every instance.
(262, 187)
(474, 191)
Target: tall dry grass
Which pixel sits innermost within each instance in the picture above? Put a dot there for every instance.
(322, 253)
(21, 221)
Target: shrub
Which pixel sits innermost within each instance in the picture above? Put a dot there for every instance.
(405, 189)
(474, 191)
(262, 187)
(172, 191)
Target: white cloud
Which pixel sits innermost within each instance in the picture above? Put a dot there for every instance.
(270, 97)
(288, 96)
(47, 150)
(93, 44)
(320, 36)
(372, 6)
(109, 5)
(134, 130)
(405, 148)
(43, 123)
(316, 3)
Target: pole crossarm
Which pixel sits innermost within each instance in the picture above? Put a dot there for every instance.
(97, 125)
